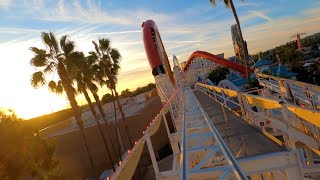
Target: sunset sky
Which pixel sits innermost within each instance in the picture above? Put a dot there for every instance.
(185, 26)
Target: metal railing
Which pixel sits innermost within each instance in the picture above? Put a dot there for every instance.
(264, 112)
(131, 160)
(301, 93)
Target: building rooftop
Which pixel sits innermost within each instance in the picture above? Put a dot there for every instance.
(261, 62)
(282, 71)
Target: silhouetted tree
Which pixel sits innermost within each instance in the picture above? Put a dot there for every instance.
(23, 154)
(218, 74)
(126, 93)
(83, 74)
(107, 98)
(56, 58)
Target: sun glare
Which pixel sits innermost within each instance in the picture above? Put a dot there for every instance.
(43, 103)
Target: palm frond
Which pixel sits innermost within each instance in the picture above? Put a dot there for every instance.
(37, 51)
(37, 79)
(52, 86)
(68, 46)
(39, 60)
(59, 88)
(63, 40)
(115, 55)
(96, 47)
(75, 63)
(213, 2)
(46, 39)
(50, 68)
(227, 3)
(93, 87)
(50, 41)
(104, 44)
(54, 42)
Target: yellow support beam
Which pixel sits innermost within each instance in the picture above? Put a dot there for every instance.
(230, 93)
(307, 114)
(276, 140)
(262, 102)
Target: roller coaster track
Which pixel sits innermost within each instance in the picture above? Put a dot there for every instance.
(220, 133)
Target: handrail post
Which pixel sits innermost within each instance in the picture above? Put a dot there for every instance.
(152, 155)
(184, 155)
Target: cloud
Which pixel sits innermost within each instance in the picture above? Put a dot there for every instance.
(260, 14)
(89, 12)
(247, 4)
(5, 3)
(274, 33)
(10, 30)
(117, 32)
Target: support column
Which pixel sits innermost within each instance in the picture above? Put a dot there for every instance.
(172, 139)
(152, 155)
(225, 101)
(309, 155)
(289, 141)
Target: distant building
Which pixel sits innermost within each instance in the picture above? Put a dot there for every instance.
(282, 71)
(220, 55)
(199, 69)
(261, 65)
(233, 58)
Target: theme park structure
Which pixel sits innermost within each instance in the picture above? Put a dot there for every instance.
(221, 133)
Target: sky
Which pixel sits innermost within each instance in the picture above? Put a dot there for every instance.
(185, 26)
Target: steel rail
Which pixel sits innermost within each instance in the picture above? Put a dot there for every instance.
(225, 150)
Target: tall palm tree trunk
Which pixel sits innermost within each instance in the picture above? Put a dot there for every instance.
(114, 106)
(118, 134)
(86, 95)
(119, 105)
(97, 99)
(123, 117)
(244, 47)
(66, 83)
(100, 108)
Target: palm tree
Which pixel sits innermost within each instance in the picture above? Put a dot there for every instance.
(108, 59)
(56, 58)
(92, 86)
(84, 75)
(98, 74)
(229, 4)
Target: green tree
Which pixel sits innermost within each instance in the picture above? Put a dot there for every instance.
(56, 58)
(107, 98)
(315, 73)
(23, 154)
(218, 74)
(289, 56)
(126, 93)
(229, 4)
(144, 89)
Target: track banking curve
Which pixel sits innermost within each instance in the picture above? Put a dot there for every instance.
(216, 59)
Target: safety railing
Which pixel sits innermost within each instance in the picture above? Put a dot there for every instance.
(128, 166)
(302, 124)
(301, 93)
